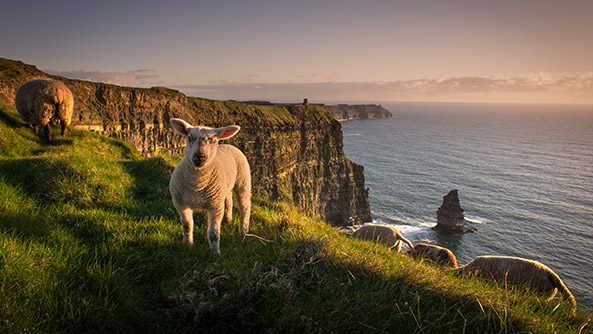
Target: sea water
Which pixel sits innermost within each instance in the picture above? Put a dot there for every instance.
(524, 175)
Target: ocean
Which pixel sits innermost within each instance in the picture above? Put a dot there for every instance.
(524, 174)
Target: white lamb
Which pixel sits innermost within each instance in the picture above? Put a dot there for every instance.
(43, 102)
(206, 178)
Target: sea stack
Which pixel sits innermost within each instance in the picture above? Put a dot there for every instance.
(450, 215)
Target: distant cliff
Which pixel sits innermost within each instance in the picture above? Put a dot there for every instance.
(344, 112)
(295, 151)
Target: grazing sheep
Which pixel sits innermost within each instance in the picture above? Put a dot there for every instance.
(43, 102)
(439, 255)
(387, 235)
(518, 271)
(206, 178)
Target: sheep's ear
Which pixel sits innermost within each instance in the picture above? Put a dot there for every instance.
(180, 126)
(228, 131)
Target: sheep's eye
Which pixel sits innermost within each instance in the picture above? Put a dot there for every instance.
(191, 139)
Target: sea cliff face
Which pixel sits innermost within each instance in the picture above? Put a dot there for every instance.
(295, 151)
(345, 112)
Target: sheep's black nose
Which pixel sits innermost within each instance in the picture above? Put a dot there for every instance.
(197, 159)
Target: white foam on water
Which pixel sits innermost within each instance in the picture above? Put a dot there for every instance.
(410, 230)
(475, 220)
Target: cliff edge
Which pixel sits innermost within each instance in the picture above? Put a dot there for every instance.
(295, 151)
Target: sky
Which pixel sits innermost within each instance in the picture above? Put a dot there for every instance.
(520, 51)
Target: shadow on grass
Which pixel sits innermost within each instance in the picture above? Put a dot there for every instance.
(23, 130)
(150, 186)
(26, 226)
(11, 119)
(150, 178)
(304, 287)
(32, 175)
(126, 150)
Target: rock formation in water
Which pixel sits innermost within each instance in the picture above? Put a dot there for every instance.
(295, 151)
(450, 215)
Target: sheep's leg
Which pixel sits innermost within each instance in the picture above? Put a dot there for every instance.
(228, 209)
(34, 128)
(406, 241)
(48, 133)
(244, 202)
(63, 124)
(397, 247)
(187, 220)
(214, 220)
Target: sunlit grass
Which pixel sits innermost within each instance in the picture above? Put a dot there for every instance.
(90, 242)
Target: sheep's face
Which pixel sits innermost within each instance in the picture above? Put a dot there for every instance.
(201, 147)
(202, 141)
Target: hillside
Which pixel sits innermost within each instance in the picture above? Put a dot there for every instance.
(90, 242)
(295, 151)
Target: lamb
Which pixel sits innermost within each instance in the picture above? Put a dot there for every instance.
(387, 235)
(43, 102)
(206, 178)
(518, 271)
(439, 255)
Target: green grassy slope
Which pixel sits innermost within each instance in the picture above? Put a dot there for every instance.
(90, 242)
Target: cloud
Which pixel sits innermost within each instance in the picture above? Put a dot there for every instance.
(140, 77)
(523, 87)
(531, 87)
(540, 87)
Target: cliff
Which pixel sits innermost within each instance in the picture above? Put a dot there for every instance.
(295, 151)
(344, 112)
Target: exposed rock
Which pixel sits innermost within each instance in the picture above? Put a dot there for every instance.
(295, 151)
(450, 215)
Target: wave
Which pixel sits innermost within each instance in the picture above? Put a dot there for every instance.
(472, 220)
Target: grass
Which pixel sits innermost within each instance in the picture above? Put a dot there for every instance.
(90, 242)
